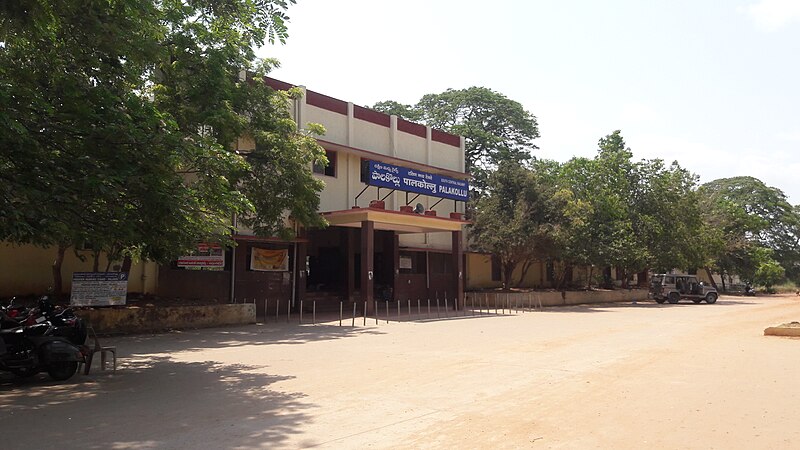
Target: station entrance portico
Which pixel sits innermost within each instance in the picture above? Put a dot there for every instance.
(359, 258)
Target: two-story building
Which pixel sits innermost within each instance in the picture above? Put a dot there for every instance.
(394, 199)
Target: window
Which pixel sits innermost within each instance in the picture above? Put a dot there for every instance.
(550, 271)
(412, 263)
(440, 263)
(496, 269)
(330, 169)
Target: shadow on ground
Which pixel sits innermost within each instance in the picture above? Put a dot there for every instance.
(647, 304)
(155, 402)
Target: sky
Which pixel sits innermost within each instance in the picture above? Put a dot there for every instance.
(714, 85)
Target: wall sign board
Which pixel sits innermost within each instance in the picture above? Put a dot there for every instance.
(411, 180)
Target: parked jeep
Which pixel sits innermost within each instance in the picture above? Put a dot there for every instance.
(672, 288)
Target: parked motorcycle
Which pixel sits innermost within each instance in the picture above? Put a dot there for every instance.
(42, 340)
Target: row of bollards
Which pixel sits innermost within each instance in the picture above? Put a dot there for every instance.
(473, 305)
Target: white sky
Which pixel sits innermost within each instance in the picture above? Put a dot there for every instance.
(712, 84)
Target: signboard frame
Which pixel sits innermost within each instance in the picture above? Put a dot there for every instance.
(411, 180)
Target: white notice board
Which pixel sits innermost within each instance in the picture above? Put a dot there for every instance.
(99, 288)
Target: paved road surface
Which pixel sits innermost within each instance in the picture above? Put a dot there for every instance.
(608, 376)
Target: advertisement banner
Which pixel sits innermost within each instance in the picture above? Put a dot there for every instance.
(410, 180)
(268, 260)
(207, 256)
(99, 288)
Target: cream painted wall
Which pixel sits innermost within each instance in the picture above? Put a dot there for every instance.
(27, 270)
(335, 124)
(445, 156)
(411, 147)
(372, 137)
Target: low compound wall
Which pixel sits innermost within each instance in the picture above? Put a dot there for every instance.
(553, 298)
(149, 319)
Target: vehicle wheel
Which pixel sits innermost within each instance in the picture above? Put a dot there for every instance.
(62, 370)
(24, 373)
(711, 298)
(660, 300)
(674, 297)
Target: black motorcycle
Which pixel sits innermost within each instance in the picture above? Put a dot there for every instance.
(40, 345)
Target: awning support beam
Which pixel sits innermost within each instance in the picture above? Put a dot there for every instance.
(409, 201)
(355, 200)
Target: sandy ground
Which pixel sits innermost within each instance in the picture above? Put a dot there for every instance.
(608, 376)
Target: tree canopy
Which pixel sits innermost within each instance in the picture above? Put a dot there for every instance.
(495, 128)
(757, 227)
(122, 120)
(514, 217)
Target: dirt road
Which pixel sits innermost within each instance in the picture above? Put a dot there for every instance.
(609, 376)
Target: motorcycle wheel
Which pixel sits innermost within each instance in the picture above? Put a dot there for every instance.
(62, 370)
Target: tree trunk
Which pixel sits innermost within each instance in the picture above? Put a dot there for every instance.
(96, 265)
(711, 277)
(126, 264)
(508, 273)
(589, 280)
(642, 278)
(525, 267)
(58, 284)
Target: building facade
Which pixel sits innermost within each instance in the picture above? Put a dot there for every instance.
(394, 198)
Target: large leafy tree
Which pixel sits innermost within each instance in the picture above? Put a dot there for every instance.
(626, 214)
(513, 218)
(121, 121)
(752, 217)
(496, 129)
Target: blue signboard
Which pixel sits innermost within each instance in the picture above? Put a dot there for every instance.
(410, 180)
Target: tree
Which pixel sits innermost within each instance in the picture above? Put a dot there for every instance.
(122, 119)
(407, 112)
(495, 128)
(750, 216)
(625, 214)
(512, 219)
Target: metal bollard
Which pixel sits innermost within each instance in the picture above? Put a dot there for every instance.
(398, 310)
(446, 312)
(387, 311)
(419, 309)
(314, 312)
(438, 313)
(429, 308)
(365, 313)
(301, 312)
(354, 313)
(409, 309)
(266, 313)
(341, 310)
(376, 312)
(288, 311)
(277, 309)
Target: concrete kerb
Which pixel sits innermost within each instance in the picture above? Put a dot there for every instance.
(153, 319)
(476, 304)
(791, 329)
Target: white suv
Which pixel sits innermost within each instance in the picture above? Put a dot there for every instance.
(672, 288)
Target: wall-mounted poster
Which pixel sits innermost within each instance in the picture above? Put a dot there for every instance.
(207, 256)
(269, 260)
(99, 288)
(405, 262)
